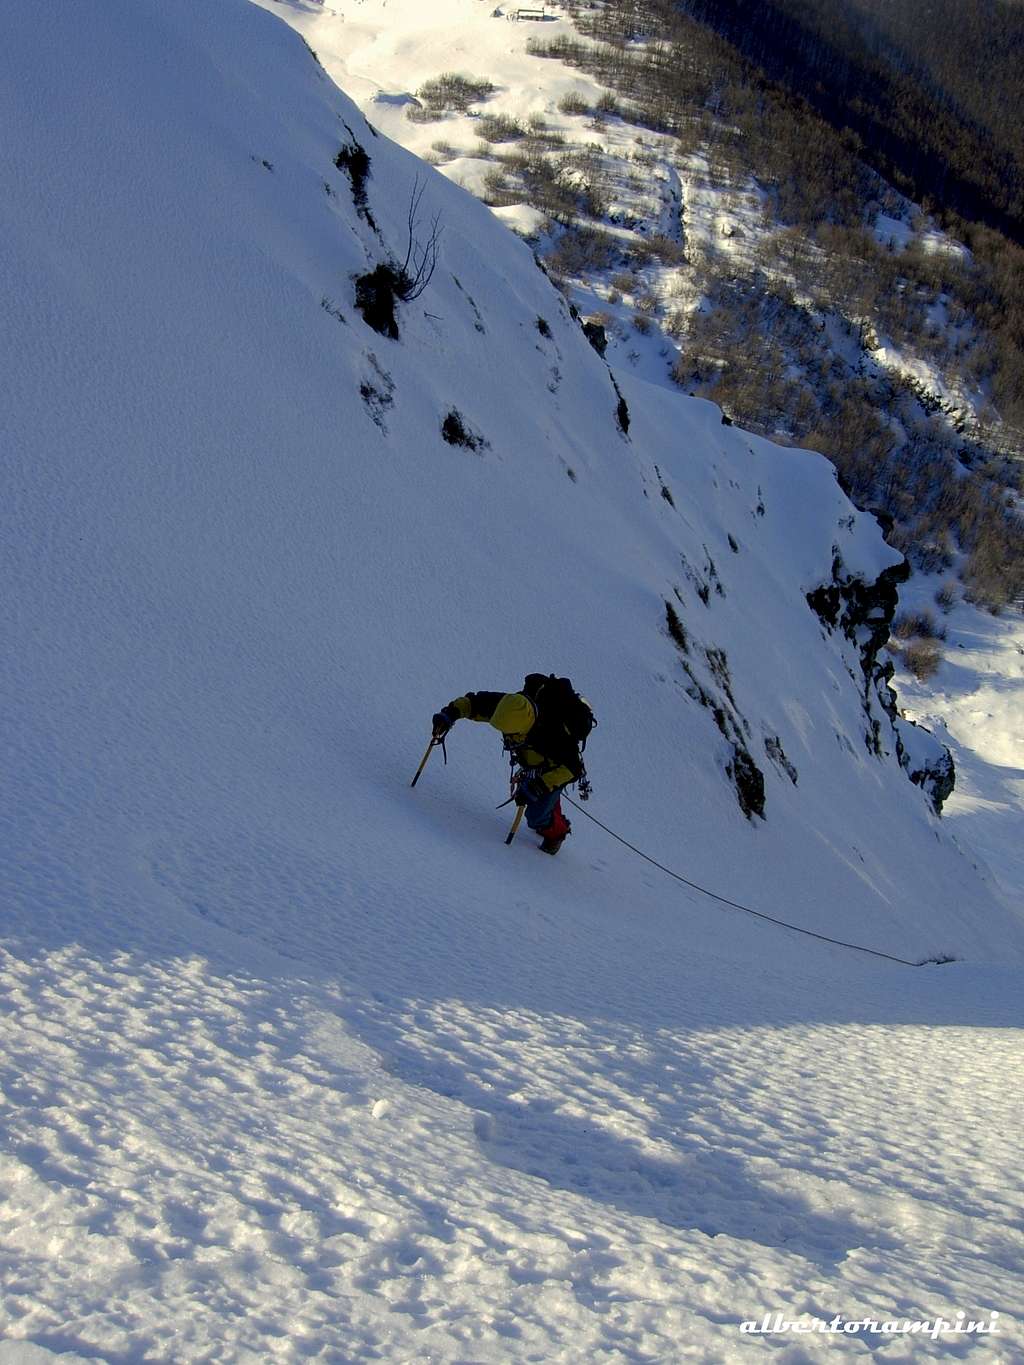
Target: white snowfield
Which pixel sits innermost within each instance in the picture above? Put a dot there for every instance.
(298, 1064)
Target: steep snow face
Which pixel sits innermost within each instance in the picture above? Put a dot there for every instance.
(248, 537)
(242, 566)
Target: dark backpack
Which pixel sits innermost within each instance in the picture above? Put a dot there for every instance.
(560, 705)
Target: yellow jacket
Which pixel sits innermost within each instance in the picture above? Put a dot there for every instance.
(514, 716)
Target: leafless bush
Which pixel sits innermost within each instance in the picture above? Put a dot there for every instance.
(451, 90)
(640, 253)
(676, 324)
(499, 128)
(561, 49)
(922, 658)
(582, 249)
(910, 623)
(994, 572)
(666, 249)
(416, 113)
(420, 255)
(377, 290)
(539, 139)
(946, 596)
(498, 192)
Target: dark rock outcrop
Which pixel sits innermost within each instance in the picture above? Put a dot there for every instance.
(597, 336)
(863, 613)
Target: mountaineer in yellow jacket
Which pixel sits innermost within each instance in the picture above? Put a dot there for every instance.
(544, 727)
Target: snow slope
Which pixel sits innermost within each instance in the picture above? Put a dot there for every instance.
(299, 1064)
(975, 703)
(381, 51)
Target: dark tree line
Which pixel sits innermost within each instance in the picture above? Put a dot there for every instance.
(807, 94)
(932, 89)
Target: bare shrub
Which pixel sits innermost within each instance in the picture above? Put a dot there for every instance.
(922, 658)
(451, 90)
(543, 181)
(498, 192)
(994, 572)
(573, 103)
(378, 289)
(946, 596)
(640, 252)
(539, 138)
(676, 324)
(667, 250)
(561, 49)
(499, 128)
(582, 249)
(682, 371)
(911, 623)
(416, 113)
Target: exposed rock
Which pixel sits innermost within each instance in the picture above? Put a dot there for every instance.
(457, 432)
(748, 780)
(773, 748)
(864, 612)
(926, 761)
(597, 336)
(621, 409)
(746, 776)
(352, 158)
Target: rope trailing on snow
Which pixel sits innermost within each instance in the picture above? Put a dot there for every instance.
(858, 948)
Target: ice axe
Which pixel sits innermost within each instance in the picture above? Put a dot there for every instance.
(435, 742)
(520, 807)
(515, 825)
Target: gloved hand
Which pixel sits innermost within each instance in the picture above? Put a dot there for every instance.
(529, 788)
(443, 721)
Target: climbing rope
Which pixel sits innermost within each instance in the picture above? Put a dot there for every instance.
(905, 962)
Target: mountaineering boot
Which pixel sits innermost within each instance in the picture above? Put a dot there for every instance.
(554, 832)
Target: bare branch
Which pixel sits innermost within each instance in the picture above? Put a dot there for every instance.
(420, 257)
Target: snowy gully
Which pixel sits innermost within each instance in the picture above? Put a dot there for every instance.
(929, 1327)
